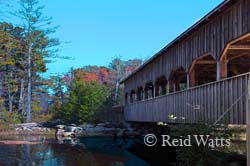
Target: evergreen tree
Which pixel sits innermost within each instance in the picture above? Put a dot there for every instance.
(85, 98)
(37, 43)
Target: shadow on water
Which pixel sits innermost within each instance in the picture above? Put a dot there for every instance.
(94, 151)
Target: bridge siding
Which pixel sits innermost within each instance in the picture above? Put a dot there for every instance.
(205, 103)
(211, 37)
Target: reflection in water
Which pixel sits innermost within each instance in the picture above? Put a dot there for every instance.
(66, 152)
(67, 140)
(27, 154)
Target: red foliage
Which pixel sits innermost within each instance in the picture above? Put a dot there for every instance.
(90, 77)
(100, 75)
(103, 75)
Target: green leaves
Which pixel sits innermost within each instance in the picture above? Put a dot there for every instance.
(85, 98)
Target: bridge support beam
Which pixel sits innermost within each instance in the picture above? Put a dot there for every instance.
(168, 86)
(143, 94)
(188, 81)
(174, 87)
(192, 79)
(218, 70)
(223, 69)
(153, 92)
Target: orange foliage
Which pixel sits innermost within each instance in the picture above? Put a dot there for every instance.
(104, 71)
(101, 75)
(90, 77)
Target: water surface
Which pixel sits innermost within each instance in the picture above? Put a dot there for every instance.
(44, 151)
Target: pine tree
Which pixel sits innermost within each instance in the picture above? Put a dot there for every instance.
(85, 98)
(37, 43)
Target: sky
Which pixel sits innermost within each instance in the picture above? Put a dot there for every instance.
(96, 31)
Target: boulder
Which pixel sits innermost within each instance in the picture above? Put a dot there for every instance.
(72, 129)
(68, 134)
(60, 126)
(26, 125)
(60, 132)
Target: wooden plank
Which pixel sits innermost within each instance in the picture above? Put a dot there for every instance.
(214, 97)
(199, 104)
(227, 102)
(203, 104)
(207, 114)
(231, 101)
(248, 140)
(240, 111)
(216, 94)
(235, 98)
(239, 47)
(218, 107)
(223, 100)
(248, 122)
(210, 116)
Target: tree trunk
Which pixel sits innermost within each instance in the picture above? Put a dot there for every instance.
(116, 90)
(10, 98)
(28, 108)
(28, 111)
(20, 103)
(10, 95)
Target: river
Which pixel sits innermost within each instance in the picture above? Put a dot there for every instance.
(49, 151)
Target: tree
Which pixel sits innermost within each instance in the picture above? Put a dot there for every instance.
(58, 85)
(83, 91)
(85, 98)
(121, 69)
(118, 67)
(11, 60)
(37, 43)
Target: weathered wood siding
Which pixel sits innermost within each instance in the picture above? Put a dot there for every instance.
(210, 37)
(205, 103)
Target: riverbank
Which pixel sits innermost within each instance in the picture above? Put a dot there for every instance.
(25, 129)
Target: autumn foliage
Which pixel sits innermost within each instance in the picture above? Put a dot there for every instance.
(90, 89)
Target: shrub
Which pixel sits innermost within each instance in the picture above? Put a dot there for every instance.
(199, 155)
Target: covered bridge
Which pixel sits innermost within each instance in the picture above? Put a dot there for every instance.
(201, 76)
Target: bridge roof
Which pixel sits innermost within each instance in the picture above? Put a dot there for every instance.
(220, 8)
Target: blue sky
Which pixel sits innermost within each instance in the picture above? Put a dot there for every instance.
(99, 30)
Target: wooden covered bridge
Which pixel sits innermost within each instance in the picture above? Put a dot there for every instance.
(202, 76)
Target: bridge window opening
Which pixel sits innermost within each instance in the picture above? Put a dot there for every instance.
(149, 90)
(132, 96)
(178, 80)
(126, 98)
(203, 70)
(239, 65)
(139, 94)
(161, 86)
(236, 58)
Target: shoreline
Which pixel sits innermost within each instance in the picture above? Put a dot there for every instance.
(13, 132)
